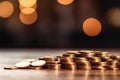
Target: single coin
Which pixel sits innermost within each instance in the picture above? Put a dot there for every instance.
(22, 64)
(50, 58)
(10, 68)
(69, 55)
(38, 63)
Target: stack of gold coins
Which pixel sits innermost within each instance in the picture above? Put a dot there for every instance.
(52, 60)
(82, 63)
(68, 63)
(99, 65)
(112, 65)
(55, 65)
(96, 63)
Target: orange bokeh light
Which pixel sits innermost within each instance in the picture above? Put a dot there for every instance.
(92, 27)
(113, 17)
(28, 10)
(27, 3)
(28, 16)
(65, 2)
(6, 9)
(22, 7)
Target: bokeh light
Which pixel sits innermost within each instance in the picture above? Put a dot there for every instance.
(27, 3)
(22, 7)
(113, 17)
(65, 2)
(92, 27)
(28, 16)
(6, 9)
(28, 10)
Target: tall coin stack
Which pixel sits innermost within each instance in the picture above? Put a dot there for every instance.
(67, 60)
(82, 63)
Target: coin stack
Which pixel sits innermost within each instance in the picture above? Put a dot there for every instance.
(72, 60)
(99, 60)
(52, 62)
(55, 65)
(67, 60)
(82, 63)
(112, 65)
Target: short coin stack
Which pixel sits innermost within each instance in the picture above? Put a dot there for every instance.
(72, 60)
(52, 63)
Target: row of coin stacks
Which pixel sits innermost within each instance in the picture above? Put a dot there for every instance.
(72, 60)
(28, 14)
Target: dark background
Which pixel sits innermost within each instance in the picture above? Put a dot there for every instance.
(60, 26)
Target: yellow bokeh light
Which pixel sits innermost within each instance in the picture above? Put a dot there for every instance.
(6, 9)
(28, 16)
(27, 3)
(34, 7)
(92, 27)
(65, 2)
(113, 17)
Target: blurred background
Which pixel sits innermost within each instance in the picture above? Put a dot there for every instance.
(59, 23)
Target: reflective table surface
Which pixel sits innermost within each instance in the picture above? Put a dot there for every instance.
(10, 57)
